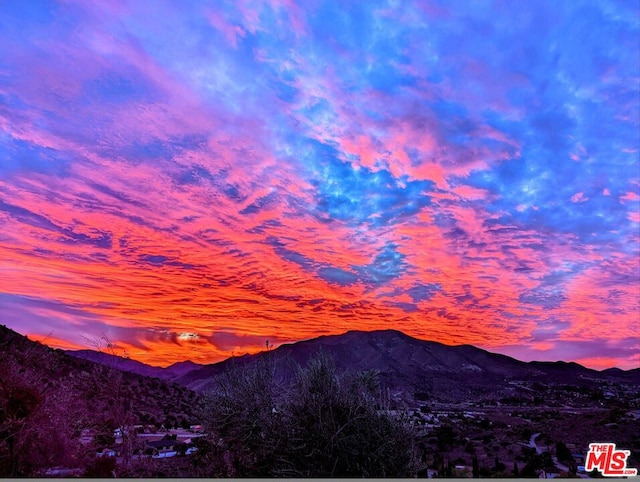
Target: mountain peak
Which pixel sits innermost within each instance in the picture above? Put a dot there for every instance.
(407, 365)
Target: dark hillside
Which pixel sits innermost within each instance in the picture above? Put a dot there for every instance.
(134, 366)
(49, 398)
(410, 367)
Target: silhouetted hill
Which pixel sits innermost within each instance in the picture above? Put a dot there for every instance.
(96, 393)
(407, 366)
(134, 366)
(179, 368)
(410, 367)
(632, 375)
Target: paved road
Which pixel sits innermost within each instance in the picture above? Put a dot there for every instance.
(532, 443)
(564, 468)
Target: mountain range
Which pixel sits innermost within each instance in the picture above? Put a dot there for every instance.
(407, 366)
(133, 366)
(49, 397)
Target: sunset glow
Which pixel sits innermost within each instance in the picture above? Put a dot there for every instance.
(191, 179)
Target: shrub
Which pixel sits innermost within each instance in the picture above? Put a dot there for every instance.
(324, 425)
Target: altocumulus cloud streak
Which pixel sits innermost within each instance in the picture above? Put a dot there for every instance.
(194, 178)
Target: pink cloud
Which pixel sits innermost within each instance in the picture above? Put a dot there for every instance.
(231, 32)
(579, 198)
(630, 197)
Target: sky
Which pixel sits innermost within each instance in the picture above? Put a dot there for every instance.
(190, 179)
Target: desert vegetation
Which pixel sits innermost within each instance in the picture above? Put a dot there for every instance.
(321, 425)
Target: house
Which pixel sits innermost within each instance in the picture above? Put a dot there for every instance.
(164, 444)
(168, 447)
(165, 448)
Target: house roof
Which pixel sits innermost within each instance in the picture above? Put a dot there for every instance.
(165, 443)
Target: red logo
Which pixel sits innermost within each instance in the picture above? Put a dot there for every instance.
(609, 461)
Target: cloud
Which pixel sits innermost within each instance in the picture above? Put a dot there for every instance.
(230, 341)
(338, 276)
(281, 170)
(422, 292)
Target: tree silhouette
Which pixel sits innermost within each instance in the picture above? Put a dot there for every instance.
(475, 468)
(324, 425)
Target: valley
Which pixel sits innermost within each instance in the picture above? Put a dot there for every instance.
(466, 411)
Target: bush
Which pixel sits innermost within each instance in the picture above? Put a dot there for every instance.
(337, 431)
(563, 453)
(324, 425)
(246, 428)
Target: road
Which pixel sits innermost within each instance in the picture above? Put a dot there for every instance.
(532, 443)
(562, 467)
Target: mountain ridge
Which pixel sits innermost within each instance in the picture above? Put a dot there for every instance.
(421, 355)
(135, 366)
(406, 366)
(412, 365)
